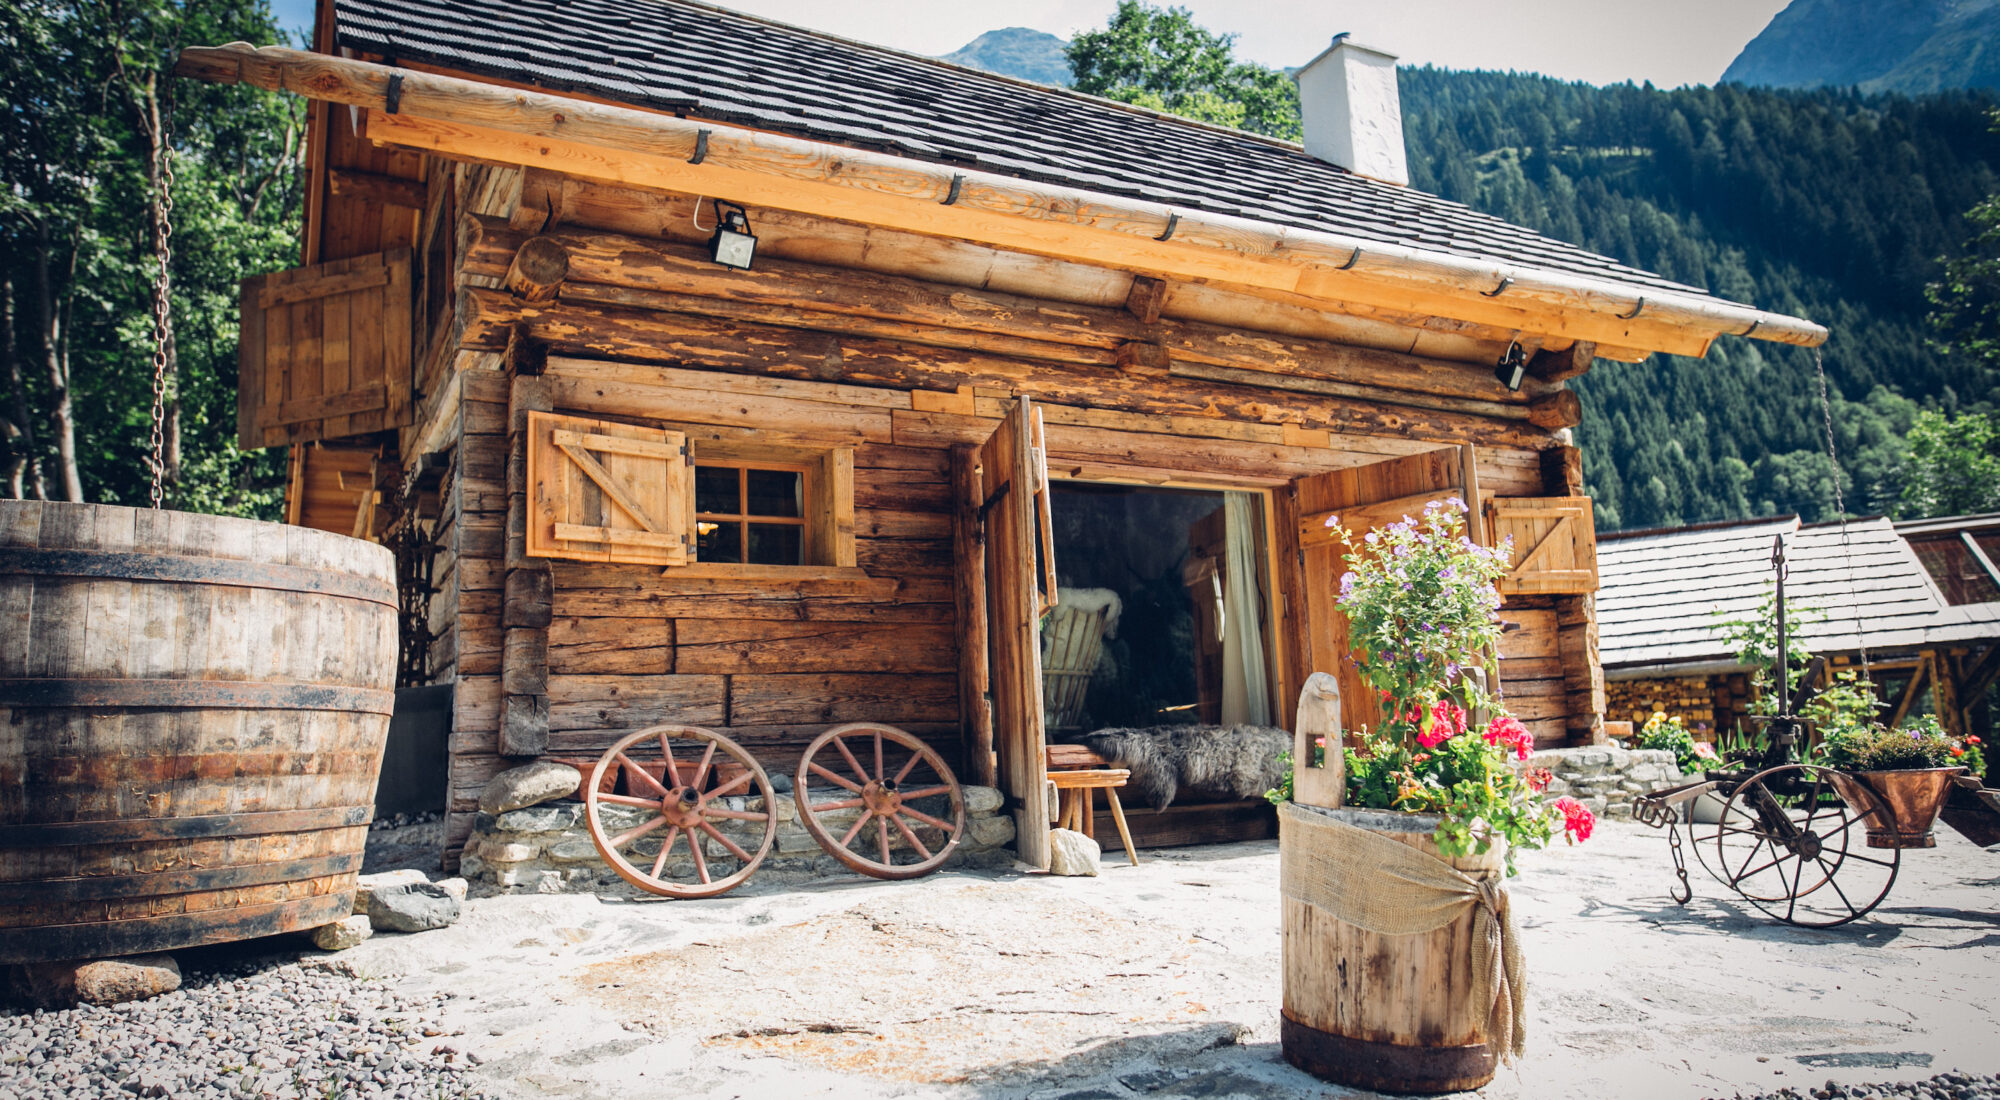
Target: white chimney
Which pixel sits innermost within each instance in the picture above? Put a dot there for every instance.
(1352, 114)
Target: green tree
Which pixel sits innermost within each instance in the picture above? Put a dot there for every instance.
(1952, 468)
(91, 124)
(1159, 58)
(1965, 300)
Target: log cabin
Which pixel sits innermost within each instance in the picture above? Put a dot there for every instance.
(711, 370)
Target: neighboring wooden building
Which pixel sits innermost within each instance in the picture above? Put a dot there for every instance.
(983, 319)
(1863, 590)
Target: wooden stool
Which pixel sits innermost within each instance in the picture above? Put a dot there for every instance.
(1077, 813)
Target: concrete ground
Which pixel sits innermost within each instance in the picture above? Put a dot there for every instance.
(1163, 981)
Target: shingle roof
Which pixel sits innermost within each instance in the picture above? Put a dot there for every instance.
(1660, 592)
(708, 63)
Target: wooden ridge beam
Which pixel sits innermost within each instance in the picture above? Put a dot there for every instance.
(472, 120)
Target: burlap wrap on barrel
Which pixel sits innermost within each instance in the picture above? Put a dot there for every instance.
(1392, 889)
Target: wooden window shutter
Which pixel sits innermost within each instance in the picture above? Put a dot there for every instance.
(599, 491)
(325, 351)
(1555, 545)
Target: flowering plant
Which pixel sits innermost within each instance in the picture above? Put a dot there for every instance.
(1664, 731)
(1920, 743)
(1420, 603)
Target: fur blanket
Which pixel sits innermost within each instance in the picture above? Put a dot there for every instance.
(1194, 763)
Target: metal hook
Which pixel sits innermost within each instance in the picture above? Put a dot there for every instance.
(1754, 323)
(1505, 282)
(957, 183)
(1635, 310)
(1351, 260)
(700, 146)
(1173, 221)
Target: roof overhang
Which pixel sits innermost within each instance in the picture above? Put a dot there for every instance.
(475, 120)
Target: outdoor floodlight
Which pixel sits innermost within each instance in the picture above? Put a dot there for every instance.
(733, 244)
(1513, 366)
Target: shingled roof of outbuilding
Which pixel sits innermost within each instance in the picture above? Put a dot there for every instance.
(708, 63)
(1663, 595)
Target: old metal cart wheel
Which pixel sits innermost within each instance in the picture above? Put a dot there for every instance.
(912, 811)
(668, 773)
(1791, 847)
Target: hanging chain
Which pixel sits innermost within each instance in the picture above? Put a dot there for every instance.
(1683, 893)
(163, 321)
(1840, 508)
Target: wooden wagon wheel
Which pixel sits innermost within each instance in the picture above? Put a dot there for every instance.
(1792, 848)
(912, 812)
(670, 793)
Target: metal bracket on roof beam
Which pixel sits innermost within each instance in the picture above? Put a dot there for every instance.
(1754, 322)
(1173, 222)
(700, 146)
(394, 96)
(1505, 282)
(957, 185)
(1635, 311)
(1351, 260)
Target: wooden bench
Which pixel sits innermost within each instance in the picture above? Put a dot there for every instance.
(1075, 772)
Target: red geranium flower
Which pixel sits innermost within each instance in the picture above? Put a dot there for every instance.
(1578, 821)
(1539, 779)
(1508, 732)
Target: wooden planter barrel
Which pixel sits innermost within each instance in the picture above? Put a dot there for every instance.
(1389, 1013)
(194, 709)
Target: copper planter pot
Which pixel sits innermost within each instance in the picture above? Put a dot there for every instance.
(1901, 806)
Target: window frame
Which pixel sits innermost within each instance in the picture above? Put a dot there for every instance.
(743, 519)
(828, 500)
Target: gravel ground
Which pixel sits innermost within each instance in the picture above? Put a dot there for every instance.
(242, 1025)
(1945, 1086)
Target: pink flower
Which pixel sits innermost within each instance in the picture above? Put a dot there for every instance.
(1431, 736)
(1578, 821)
(1448, 716)
(1539, 779)
(1507, 732)
(1705, 751)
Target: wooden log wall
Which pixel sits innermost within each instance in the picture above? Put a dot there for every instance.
(559, 658)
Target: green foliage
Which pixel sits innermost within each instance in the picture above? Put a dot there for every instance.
(1755, 639)
(78, 79)
(1662, 731)
(1952, 467)
(1965, 299)
(1845, 707)
(1921, 743)
(1825, 204)
(1420, 604)
(1160, 59)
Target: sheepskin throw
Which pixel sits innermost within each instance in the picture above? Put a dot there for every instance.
(1194, 763)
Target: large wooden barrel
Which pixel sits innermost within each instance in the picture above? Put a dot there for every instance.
(194, 714)
(1389, 1013)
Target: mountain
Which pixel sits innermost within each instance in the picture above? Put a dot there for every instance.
(1828, 204)
(1017, 52)
(1909, 46)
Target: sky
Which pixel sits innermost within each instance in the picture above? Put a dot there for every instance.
(1599, 41)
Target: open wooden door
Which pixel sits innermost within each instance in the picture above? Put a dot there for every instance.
(1011, 502)
(1364, 497)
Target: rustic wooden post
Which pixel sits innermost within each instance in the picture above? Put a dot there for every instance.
(968, 551)
(527, 607)
(1576, 618)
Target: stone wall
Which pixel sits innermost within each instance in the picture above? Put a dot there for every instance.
(547, 848)
(1607, 779)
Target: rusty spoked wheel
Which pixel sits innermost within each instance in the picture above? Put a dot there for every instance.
(892, 810)
(666, 791)
(1792, 848)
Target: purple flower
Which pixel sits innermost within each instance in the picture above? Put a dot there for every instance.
(1333, 521)
(1347, 584)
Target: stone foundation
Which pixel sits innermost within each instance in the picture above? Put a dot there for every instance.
(1605, 778)
(547, 848)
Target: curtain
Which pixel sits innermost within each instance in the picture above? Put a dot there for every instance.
(1246, 696)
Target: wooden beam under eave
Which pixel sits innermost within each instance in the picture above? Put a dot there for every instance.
(1105, 247)
(373, 187)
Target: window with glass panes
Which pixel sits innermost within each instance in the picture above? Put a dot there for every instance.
(752, 513)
